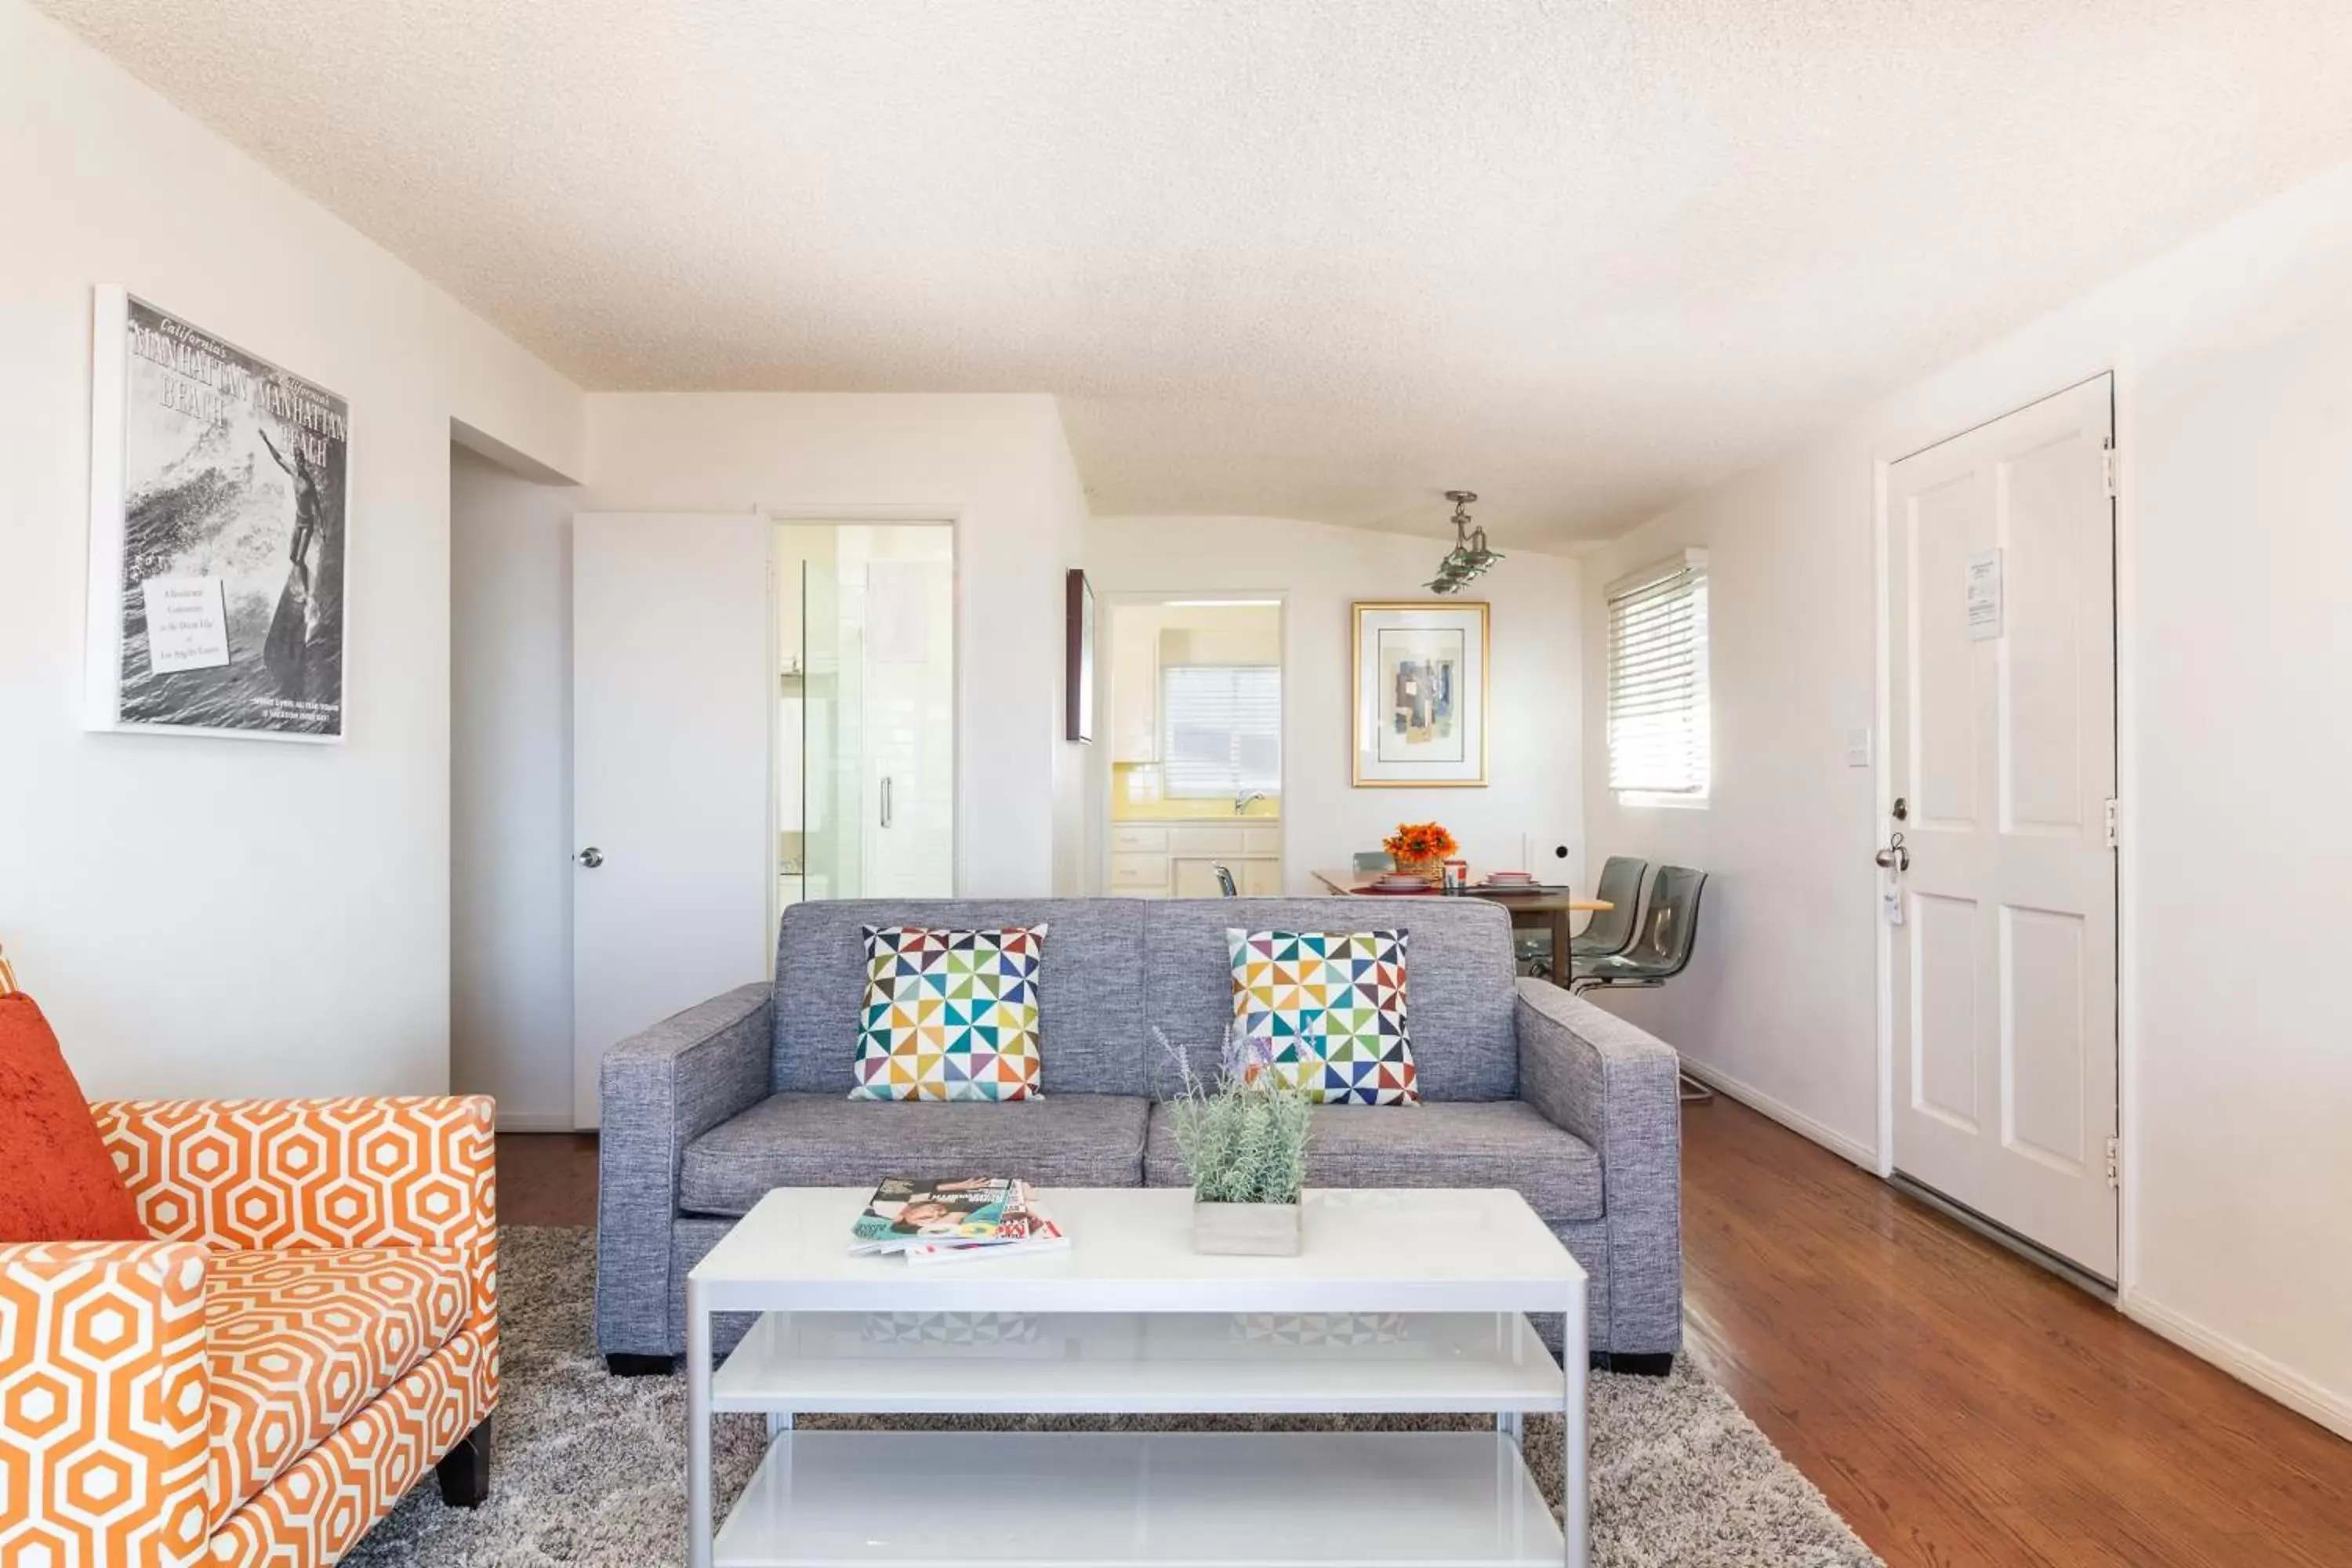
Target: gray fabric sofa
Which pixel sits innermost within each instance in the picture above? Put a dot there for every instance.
(1522, 1085)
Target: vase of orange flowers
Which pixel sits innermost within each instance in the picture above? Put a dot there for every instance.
(1420, 849)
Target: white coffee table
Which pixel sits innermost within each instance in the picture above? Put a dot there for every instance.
(1402, 1301)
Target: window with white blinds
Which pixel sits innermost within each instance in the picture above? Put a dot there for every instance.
(1657, 681)
(1221, 729)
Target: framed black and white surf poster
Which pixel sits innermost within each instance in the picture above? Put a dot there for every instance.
(219, 504)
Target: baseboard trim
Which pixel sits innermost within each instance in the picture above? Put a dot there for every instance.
(2248, 1366)
(535, 1121)
(1787, 1116)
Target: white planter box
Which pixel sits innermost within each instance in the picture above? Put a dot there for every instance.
(1255, 1230)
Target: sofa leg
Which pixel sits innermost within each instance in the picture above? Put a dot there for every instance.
(640, 1365)
(465, 1470)
(1642, 1363)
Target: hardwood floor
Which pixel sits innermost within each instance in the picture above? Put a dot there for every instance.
(1960, 1406)
(1957, 1405)
(547, 1178)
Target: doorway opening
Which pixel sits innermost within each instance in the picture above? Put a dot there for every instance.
(1195, 718)
(864, 711)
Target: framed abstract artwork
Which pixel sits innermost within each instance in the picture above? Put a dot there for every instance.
(1421, 687)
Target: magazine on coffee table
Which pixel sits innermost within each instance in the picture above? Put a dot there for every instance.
(947, 1216)
(1045, 1235)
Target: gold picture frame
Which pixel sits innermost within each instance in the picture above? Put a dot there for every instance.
(1420, 693)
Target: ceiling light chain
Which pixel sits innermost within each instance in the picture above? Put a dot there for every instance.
(1469, 558)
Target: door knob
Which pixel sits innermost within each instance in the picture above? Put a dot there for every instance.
(591, 857)
(1895, 857)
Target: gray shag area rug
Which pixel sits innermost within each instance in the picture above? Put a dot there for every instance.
(591, 1468)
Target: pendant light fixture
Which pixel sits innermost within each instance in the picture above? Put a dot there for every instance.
(1469, 560)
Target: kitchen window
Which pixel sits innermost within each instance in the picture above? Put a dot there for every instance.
(1220, 730)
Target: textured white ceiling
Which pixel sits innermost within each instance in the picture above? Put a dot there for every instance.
(1319, 259)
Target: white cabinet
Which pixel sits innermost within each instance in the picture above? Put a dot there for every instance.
(1213, 841)
(1196, 878)
(1145, 874)
(1135, 689)
(1179, 859)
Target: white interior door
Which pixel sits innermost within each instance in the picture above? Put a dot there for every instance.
(2000, 552)
(673, 698)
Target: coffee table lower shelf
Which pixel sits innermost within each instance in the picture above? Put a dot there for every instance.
(1171, 1499)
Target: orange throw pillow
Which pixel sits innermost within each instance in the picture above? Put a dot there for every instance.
(57, 1183)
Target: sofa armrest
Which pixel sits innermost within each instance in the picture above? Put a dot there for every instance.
(1614, 1086)
(259, 1176)
(107, 1401)
(659, 1091)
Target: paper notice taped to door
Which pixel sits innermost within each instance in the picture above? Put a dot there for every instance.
(1984, 594)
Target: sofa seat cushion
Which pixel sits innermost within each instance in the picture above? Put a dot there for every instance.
(1437, 1143)
(824, 1141)
(298, 1341)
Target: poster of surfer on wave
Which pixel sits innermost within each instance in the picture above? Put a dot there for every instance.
(219, 500)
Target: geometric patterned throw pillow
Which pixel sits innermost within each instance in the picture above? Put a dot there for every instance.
(1330, 1006)
(949, 1015)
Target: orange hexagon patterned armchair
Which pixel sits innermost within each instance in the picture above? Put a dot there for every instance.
(315, 1329)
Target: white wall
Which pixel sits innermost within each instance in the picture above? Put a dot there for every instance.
(2232, 358)
(997, 463)
(207, 916)
(1077, 830)
(510, 853)
(1534, 764)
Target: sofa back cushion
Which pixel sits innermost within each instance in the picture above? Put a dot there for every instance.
(1460, 977)
(1090, 993)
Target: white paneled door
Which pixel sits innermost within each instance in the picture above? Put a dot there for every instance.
(673, 688)
(2001, 572)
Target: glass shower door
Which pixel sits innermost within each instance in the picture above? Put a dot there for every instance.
(878, 742)
(832, 730)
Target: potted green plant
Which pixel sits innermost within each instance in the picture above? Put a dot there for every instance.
(1244, 1141)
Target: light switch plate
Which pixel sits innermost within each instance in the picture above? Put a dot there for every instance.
(1857, 748)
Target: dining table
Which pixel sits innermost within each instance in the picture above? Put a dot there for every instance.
(1548, 909)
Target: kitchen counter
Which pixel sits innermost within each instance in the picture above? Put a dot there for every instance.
(1206, 811)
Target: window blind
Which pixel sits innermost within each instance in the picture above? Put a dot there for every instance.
(1657, 679)
(1221, 729)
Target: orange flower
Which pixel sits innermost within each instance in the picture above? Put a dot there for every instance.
(1420, 841)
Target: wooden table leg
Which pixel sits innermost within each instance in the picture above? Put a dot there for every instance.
(1560, 975)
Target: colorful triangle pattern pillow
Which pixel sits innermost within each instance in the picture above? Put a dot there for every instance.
(1329, 1007)
(949, 1015)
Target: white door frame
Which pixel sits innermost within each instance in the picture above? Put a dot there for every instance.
(1099, 793)
(932, 514)
(2127, 790)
